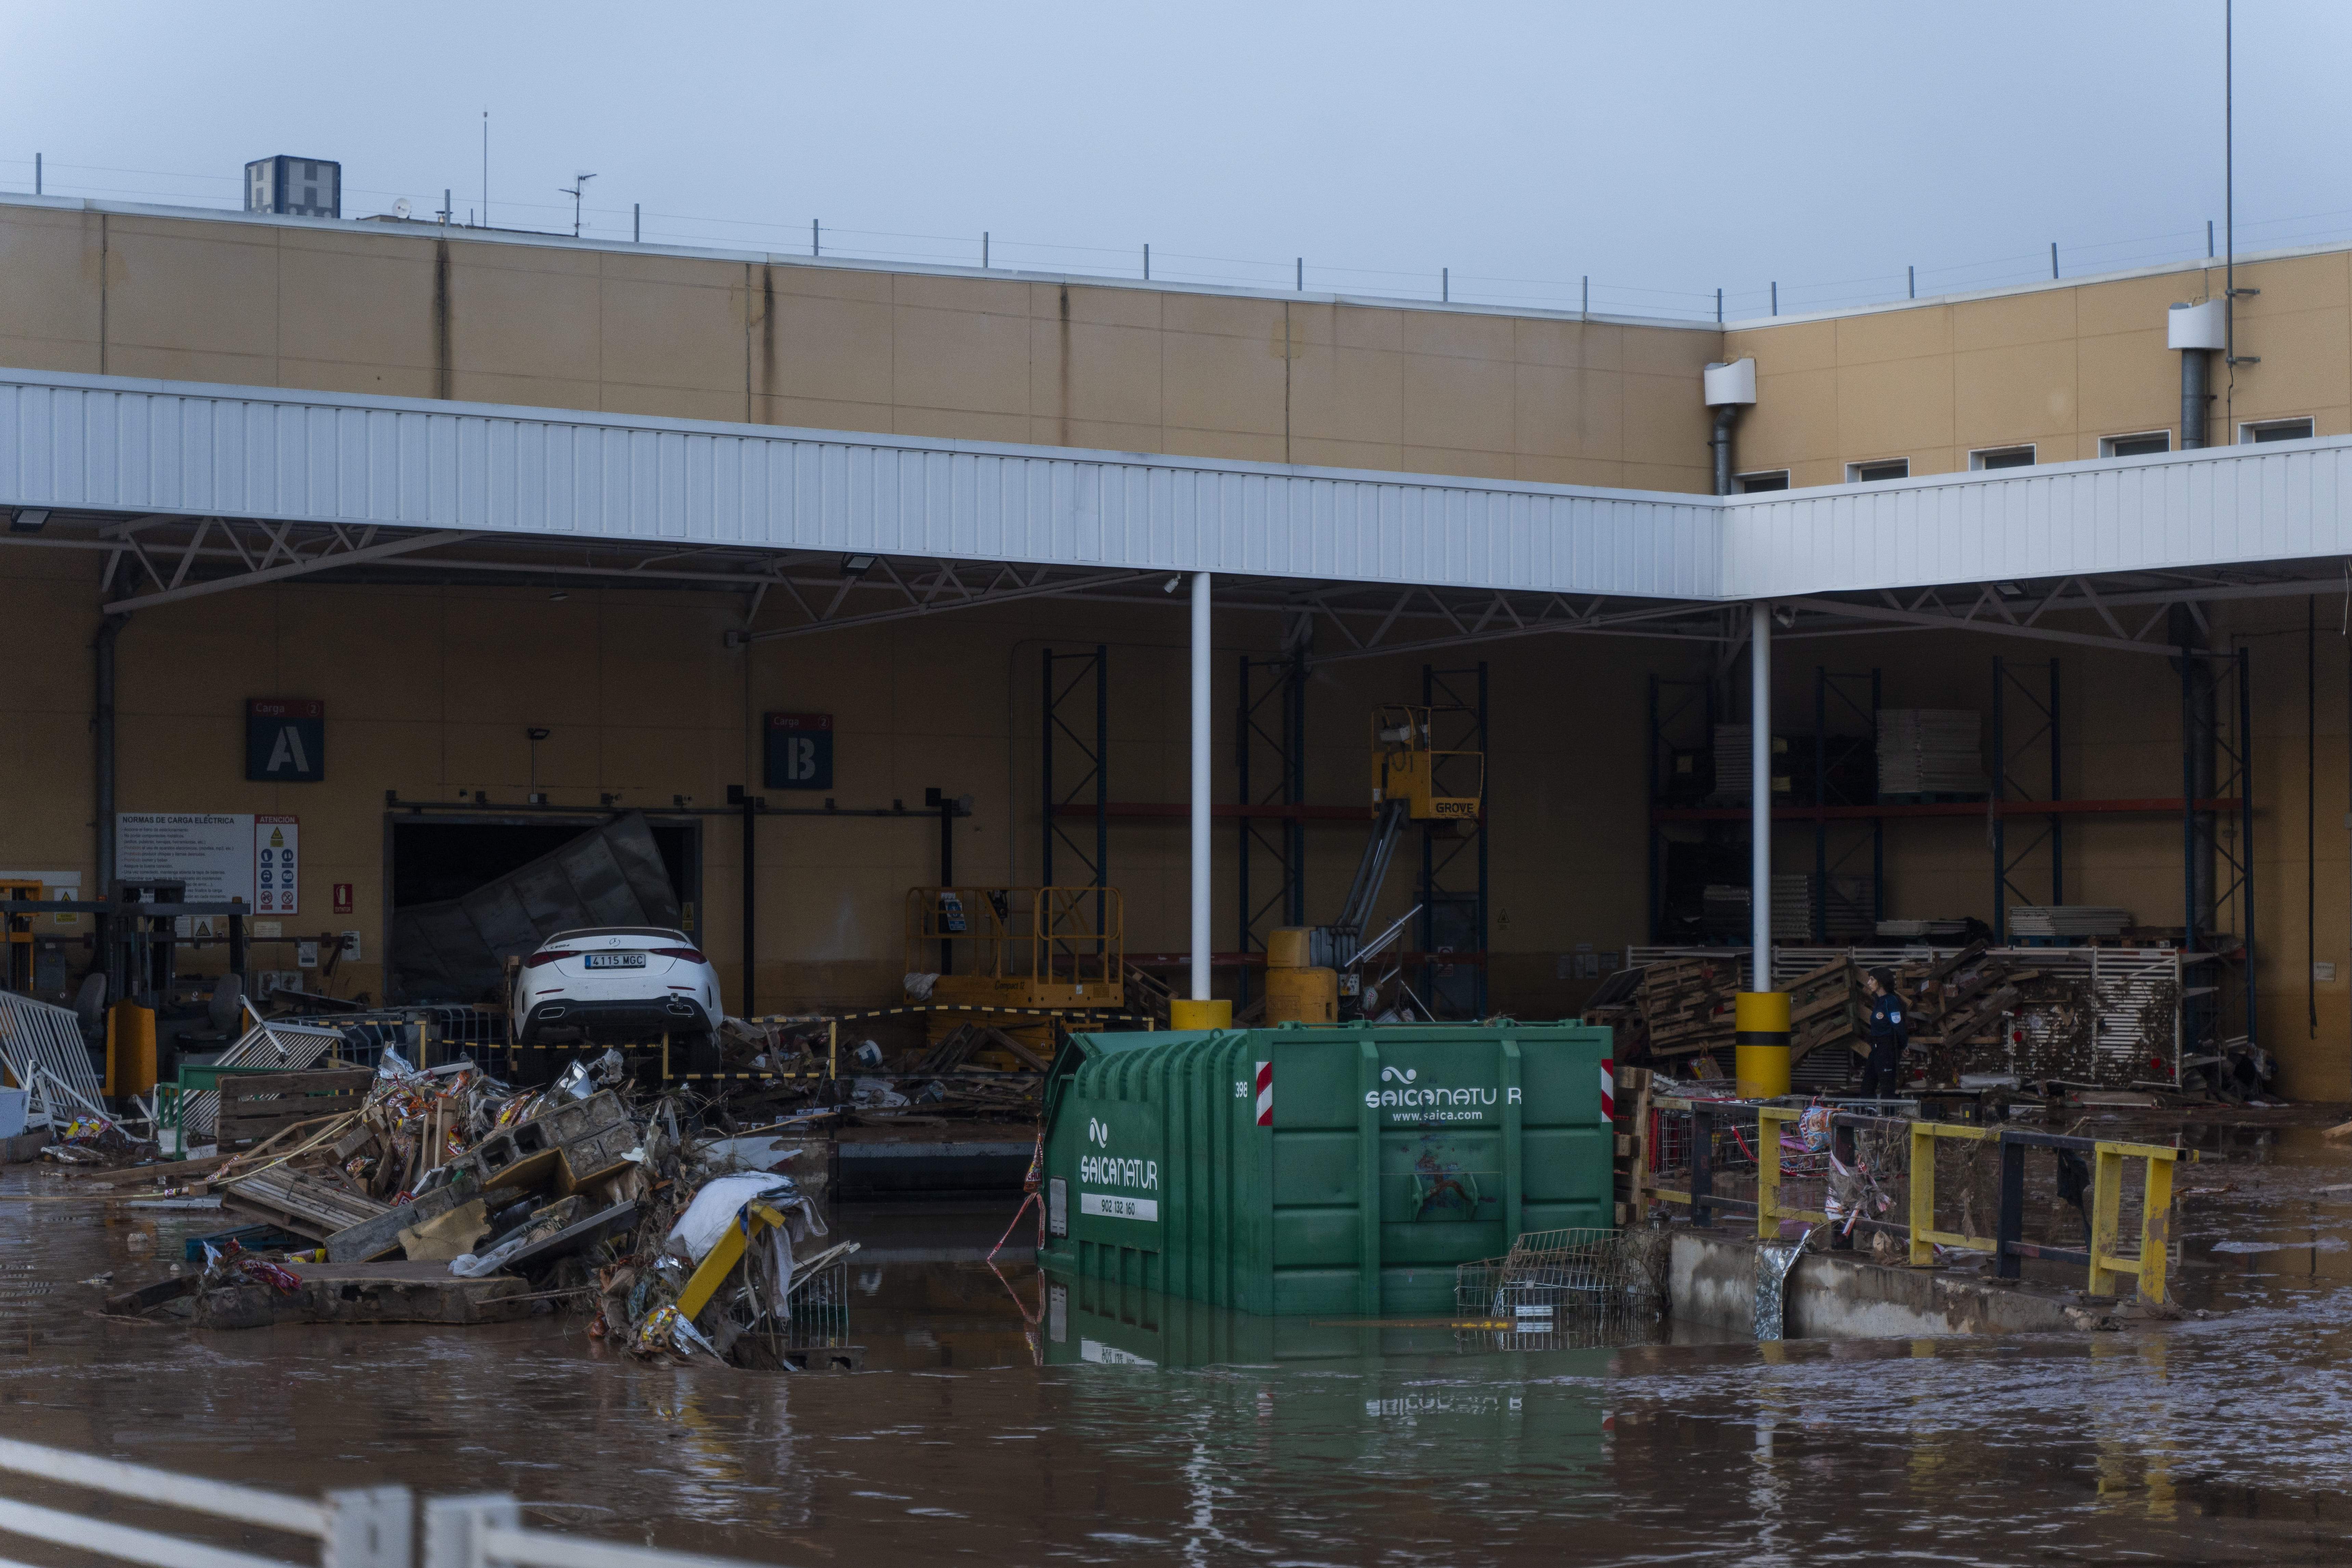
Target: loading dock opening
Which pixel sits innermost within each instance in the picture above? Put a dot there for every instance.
(430, 858)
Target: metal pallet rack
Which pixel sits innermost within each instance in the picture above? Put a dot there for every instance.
(1086, 761)
(1836, 693)
(1453, 895)
(1270, 762)
(2217, 791)
(1271, 815)
(2015, 748)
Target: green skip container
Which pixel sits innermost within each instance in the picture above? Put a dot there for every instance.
(1322, 1170)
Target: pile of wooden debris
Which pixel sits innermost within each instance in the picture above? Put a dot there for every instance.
(1973, 1011)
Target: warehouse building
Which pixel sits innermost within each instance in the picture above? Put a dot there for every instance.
(427, 549)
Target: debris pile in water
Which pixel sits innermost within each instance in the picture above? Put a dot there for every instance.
(447, 1196)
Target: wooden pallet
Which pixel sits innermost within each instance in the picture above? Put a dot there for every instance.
(255, 1106)
(296, 1201)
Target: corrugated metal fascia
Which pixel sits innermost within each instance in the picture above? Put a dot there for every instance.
(115, 443)
(2219, 507)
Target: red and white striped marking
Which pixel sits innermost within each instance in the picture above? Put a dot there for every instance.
(1265, 1094)
(1608, 1092)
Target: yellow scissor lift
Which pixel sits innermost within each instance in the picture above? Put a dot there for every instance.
(1029, 955)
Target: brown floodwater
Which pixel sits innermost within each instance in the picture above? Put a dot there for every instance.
(1017, 1419)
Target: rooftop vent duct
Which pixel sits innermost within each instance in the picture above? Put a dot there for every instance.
(2196, 331)
(1729, 388)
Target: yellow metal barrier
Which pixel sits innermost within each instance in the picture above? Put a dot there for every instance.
(2107, 1267)
(1770, 1119)
(1925, 1237)
(2155, 1218)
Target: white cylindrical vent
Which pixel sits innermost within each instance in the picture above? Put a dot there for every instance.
(2198, 326)
(1733, 383)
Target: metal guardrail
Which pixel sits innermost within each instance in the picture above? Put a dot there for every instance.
(1756, 1137)
(372, 1527)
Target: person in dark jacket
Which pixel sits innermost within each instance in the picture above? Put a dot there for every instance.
(1889, 1034)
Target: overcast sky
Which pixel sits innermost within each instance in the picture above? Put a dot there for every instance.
(1663, 149)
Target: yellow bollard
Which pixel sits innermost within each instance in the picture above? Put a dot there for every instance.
(129, 1048)
(1761, 1051)
(1212, 1015)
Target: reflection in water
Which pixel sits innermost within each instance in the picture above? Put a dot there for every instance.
(1030, 1419)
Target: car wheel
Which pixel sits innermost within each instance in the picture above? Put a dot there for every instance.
(701, 1056)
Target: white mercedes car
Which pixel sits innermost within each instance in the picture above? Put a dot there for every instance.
(616, 985)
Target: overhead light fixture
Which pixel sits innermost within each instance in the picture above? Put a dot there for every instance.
(1170, 585)
(1785, 614)
(28, 519)
(558, 596)
(856, 565)
(2010, 590)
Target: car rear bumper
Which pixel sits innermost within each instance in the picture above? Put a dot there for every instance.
(616, 1021)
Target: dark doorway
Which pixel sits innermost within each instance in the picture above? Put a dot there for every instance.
(432, 860)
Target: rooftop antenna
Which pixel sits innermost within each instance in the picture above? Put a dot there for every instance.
(578, 186)
(486, 168)
(2230, 289)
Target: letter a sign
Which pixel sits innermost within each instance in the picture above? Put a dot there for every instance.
(284, 740)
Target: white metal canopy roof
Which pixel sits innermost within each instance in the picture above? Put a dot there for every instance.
(198, 488)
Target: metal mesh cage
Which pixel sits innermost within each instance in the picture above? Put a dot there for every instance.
(1553, 1278)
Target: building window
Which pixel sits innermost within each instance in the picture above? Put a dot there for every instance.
(1756, 484)
(1878, 472)
(2137, 446)
(2276, 430)
(2001, 458)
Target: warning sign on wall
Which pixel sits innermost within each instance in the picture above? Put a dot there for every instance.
(219, 855)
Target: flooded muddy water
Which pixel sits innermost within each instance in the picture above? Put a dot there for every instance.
(1020, 1419)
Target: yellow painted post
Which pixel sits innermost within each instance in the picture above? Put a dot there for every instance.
(1183, 1013)
(1761, 1045)
(1767, 1172)
(2106, 1204)
(2156, 1230)
(1923, 1191)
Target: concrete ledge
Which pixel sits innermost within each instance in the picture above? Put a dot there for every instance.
(24, 1148)
(1712, 1281)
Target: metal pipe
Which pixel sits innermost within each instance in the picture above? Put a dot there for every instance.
(1760, 793)
(2199, 741)
(1724, 416)
(2195, 372)
(751, 804)
(1201, 953)
(102, 742)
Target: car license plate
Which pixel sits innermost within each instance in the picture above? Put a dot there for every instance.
(617, 961)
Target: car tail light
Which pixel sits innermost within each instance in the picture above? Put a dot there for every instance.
(548, 955)
(687, 953)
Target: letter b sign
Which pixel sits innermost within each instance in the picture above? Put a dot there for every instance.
(799, 750)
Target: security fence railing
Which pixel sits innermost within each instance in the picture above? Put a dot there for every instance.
(1867, 1169)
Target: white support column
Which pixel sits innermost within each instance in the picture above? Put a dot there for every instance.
(1760, 794)
(1200, 911)
(1761, 1049)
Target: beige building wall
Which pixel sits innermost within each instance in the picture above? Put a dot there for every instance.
(2055, 367)
(407, 312)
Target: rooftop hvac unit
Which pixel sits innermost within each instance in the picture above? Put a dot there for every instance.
(299, 187)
